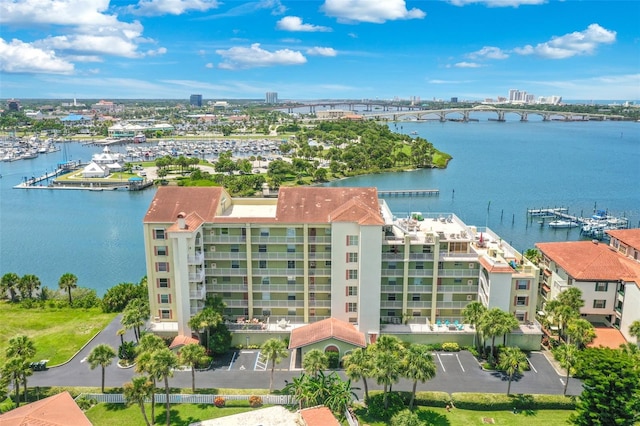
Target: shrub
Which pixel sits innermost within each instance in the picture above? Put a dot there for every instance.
(85, 403)
(432, 399)
(334, 359)
(451, 347)
(219, 402)
(7, 405)
(375, 405)
(127, 351)
(494, 401)
(255, 401)
(435, 346)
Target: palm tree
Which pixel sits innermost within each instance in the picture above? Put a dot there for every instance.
(165, 362)
(10, 283)
(67, 282)
(358, 366)
(634, 330)
(580, 332)
(386, 371)
(567, 356)
(490, 325)
(572, 297)
(275, 350)
(418, 365)
(28, 284)
(314, 361)
(192, 355)
(137, 391)
(340, 395)
(134, 316)
(508, 323)
(16, 370)
(473, 315)
(298, 388)
(512, 361)
(145, 363)
(204, 321)
(533, 255)
(20, 347)
(101, 355)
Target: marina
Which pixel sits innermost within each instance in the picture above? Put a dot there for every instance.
(594, 226)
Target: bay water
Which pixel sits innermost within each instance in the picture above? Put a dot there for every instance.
(498, 171)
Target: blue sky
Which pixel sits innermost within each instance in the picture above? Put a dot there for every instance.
(356, 49)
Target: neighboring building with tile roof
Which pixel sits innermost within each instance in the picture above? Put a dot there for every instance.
(315, 253)
(55, 410)
(626, 241)
(319, 416)
(608, 278)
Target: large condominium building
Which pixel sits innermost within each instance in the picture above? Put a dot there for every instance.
(313, 253)
(271, 98)
(607, 275)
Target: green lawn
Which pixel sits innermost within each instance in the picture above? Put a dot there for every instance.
(57, 333)
(440, 417)
(181, 414)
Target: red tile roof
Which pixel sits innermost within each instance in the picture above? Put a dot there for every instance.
(319, 416)
(56, 410)
(330, 328)
(589, 261)
(169, 201)
(182, 340)
(608, 337)
(630, 237)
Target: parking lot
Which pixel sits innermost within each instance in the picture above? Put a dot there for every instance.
(253, 360)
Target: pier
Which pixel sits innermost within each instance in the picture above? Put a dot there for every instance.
(410, 193)
(593, 227)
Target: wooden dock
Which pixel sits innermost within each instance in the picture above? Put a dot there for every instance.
(410, 193)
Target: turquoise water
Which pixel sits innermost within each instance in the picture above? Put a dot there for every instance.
(498, 171)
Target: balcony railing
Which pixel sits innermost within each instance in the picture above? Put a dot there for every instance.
(278, 303)
(320, 255)
(222, 239)
(420, 288)
(277, 255)
(466, 273)
(319, 303)
(458, 289)
(320, 288)
(195, 259)
(222, 287)
(320, 272)
(236, 303)
(320, 240)
(277, 272)
(282, 288)
(276, 240)
(198, 294)
(225, 255)
(196, 277)
(420, 272)
(214, 272)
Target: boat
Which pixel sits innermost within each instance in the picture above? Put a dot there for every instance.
(563, 224)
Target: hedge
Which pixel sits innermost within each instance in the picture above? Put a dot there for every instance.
(423, 398)
(500, 401)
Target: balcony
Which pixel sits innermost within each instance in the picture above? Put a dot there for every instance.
(458, 273)
(320, 288)
(277, 255)
(320, 255)
(320, 240)
(458, 289)
(195, 259)
(419, 304)
(281, 288)
(236, 303)
(278, 303)
(421, 256)
(392, 272)
(277, 272)
(257, 239)
(218, 272)
(224, 239)
(319, 303)
(393, 256)
(420, 288)
(222, 287)
(452, 305)
(200, 294)
(386, 304)
(196, 277)
(225, 255)
(319, 272)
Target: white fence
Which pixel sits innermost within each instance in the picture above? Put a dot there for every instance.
(118, 398)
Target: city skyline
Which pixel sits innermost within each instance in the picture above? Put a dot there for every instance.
(342, 49)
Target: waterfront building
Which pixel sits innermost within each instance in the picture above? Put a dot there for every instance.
(195, 100)
(271, 98)
(607, 275)
(315, 253)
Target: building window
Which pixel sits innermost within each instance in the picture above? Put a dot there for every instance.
(426, 249)
(266, 295)
(164, 298)
(602, 286)
(415, 297)
(457, 281)
(262, 248)
(266, 313)
(391, 313)
(235, 264)
(291, 312)
(262, 264)
(266, 280)
(417, 281)
(352, 307)
(522, 284)
(391, 296)
(226, 279)
(327, 263)
(291, 232)
(392, 281)
(352, 290)
(599, 304)
(391, 265)
(162, 266)
(312, 297)
(291, 297)
(224, 231)
(291, 248)
(457, 264)
(419, 265)
(522, 301)
(163, 282)
(161, 250)
(291, 280)
(291, 264)
(165, 313)
(352, 257)
(521, 316)
(235, 248)
(159, 234)
(352, 240)
(352, 274)
(264, 232)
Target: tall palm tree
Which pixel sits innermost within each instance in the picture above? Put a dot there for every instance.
(358, 366)
(506, 325)
(10, 283)
(490, 326)
(512, 360)
(16, 370)
(165, 362)
(473, 315)
(20, 347)
(386, 371)
(101, 355)
(580, 332)
(314, 361)
(145, 363)
(567, 355)
(137, 391)
(275, 350)
(418, 365)
(204, 321)
(28, 284)
(134, 316)
(67, 282)
(634, 330)
(192, 355)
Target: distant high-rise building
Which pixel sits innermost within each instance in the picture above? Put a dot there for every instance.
(271, 98)
(454, 100)
(13, 105)
(195, 100)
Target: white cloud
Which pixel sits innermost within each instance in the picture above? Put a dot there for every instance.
(294, 23)
(86, 44)
(467, 65)
(376, 12)
(20, 57)
(156, 52)
(498, 3)
(577, 43)
(322, 51)
(255, 56)
(623, 86)
(489, 52)
(209, 65)
(171, 7)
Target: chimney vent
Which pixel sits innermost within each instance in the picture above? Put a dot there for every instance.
(181, 222)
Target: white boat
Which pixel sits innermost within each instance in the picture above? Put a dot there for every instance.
(562, 224)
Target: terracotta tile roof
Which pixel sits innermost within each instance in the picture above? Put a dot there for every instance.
(319, 416)
(608, 337)
(323, 205)
(56, 410)
(326, 329)
(192, 221)
(587, 261)
(630, 237)
(182, 340)
(171, 200)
